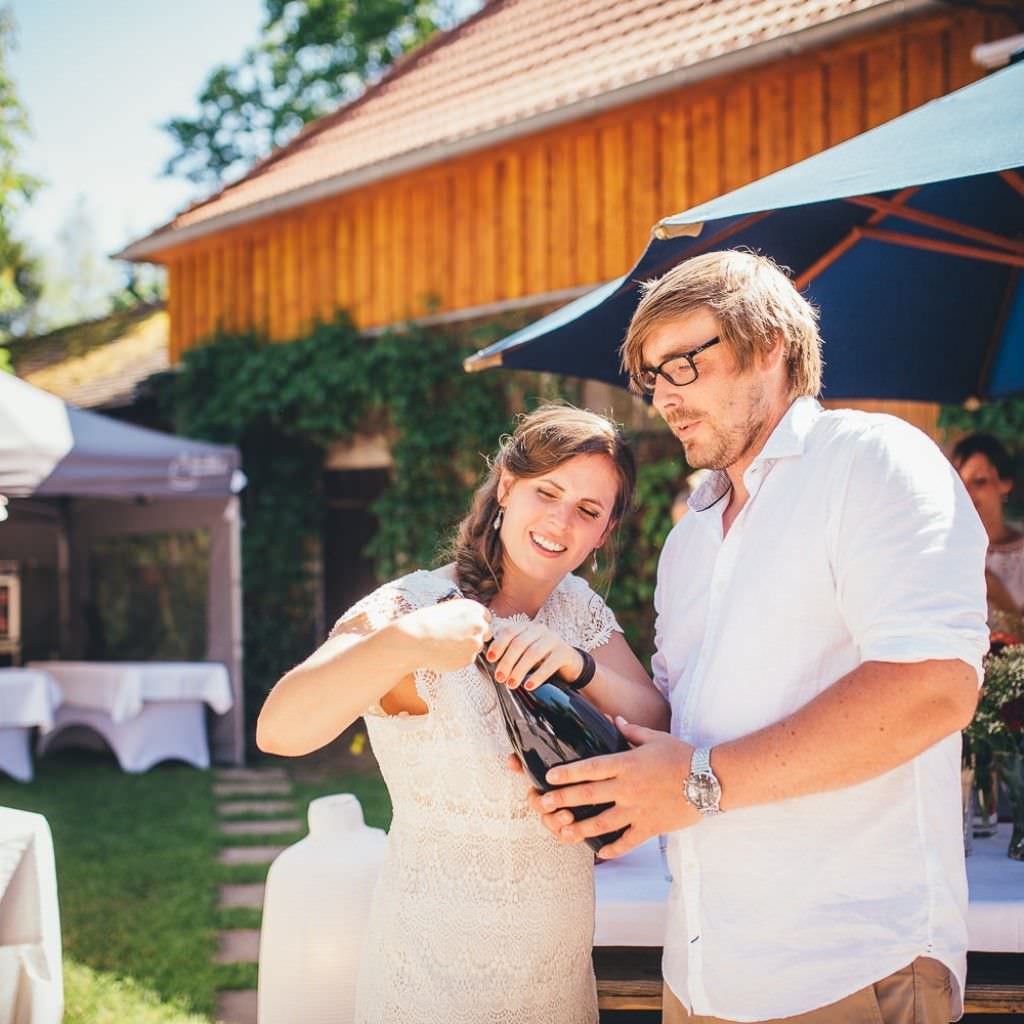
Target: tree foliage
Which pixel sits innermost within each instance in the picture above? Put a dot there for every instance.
(18, 270)
(313, 55)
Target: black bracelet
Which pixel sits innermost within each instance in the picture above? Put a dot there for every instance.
(589, 668)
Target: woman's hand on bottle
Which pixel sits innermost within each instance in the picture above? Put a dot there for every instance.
(530, 649)
(446, 636)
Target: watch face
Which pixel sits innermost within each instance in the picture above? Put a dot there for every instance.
(703, 791)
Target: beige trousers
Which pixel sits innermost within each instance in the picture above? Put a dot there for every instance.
(917, 994)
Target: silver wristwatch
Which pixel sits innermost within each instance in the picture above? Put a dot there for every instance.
(702, 787)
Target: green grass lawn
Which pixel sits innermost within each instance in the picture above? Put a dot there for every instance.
(138, 880)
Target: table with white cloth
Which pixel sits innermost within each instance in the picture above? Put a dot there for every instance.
(28, 699)
(146, 712)
(631, 917)
(31, 982)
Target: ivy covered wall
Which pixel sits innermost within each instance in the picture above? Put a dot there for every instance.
(284, 405)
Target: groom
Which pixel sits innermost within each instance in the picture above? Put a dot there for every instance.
(820, 630)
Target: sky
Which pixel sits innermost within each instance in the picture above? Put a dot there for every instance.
(98, 77)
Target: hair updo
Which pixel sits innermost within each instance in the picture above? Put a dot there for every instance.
(542, 440)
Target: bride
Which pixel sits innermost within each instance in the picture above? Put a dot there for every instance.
(479, 914)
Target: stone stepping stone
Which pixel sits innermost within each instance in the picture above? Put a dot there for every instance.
(236, 1007)
(270, 827)
(238, 946)
(250, 774)
(248, 854)
(233, 807)
(250, 896)
(269, 788)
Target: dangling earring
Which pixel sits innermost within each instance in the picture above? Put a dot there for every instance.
(594, 562)
(496, 525)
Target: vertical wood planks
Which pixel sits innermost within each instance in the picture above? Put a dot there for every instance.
(614, 248)
(174, 293)
(773, 123)
(807, 84)
(464, 240)
(737, 138)
(537, 196)
(261, 284)
(883, 83)
(962, 36)
(584, 210)
(643, 173)
(705, 150)
(561, 176)
(359, 263)
(485, 279)
(673, 146)
(926, 68)
(510, 221)
(381, 301)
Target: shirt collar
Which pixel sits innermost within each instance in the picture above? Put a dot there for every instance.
(787, 440)
(790, 434)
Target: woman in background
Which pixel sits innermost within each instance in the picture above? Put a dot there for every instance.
(479, 914)
(986, 468)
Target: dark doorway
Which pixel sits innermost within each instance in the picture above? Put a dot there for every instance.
(348, 528)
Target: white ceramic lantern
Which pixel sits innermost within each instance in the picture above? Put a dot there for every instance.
(315, 913)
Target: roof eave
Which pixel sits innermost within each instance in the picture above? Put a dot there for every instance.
(152, 245)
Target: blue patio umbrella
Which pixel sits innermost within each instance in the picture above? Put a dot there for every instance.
(909, 238)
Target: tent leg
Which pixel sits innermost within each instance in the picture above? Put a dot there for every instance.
(64, 579)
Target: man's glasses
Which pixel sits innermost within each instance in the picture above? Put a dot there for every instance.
(679, 370)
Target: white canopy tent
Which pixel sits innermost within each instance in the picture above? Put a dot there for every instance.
(76, 477)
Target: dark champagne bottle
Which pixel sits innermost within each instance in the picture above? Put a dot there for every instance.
(553, 725)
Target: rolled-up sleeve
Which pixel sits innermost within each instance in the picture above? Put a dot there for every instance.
(910, 553)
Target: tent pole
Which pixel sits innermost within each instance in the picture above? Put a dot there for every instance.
(64, 577)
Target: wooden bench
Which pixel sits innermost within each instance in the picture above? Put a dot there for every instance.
(629, 978)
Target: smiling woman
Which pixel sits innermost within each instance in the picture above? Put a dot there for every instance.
(463, 838)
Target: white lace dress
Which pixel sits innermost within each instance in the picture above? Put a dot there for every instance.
(479, 915)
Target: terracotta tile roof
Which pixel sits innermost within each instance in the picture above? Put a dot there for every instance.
(100, 364)
(513, 60)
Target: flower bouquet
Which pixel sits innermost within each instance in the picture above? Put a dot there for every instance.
(994, 741)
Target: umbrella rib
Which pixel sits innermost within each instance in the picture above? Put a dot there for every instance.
(934, 221)
(823, 262)
(936, 245)
(1014, 180)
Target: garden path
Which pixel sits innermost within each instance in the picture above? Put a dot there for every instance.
(254, 805)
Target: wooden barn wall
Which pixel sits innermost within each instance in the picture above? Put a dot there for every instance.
(566, 207)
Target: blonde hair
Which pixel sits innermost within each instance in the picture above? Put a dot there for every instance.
(542, 440)
(752, 299)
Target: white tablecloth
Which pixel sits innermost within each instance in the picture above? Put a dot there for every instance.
(632, 890)
(995, 915)
(31, 984)
(120, 688)
(28, 697)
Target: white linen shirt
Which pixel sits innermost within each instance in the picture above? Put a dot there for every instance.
(858, 543)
